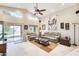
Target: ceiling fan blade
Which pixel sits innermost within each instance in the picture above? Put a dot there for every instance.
(40, 13)
(42, 10)
(37, 10)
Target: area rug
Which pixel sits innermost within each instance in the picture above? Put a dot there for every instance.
(45, 48)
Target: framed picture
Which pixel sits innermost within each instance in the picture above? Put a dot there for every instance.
(67, 26)
(62, 25)
(43, 27)
(25, 27)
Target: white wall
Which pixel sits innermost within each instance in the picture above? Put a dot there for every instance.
(66, 15)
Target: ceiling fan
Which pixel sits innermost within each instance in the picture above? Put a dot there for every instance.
(38, 11)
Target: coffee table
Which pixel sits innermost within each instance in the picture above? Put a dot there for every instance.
(42, 41)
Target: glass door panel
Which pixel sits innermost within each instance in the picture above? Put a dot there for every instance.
(0, 31)
(8, 33)
(17, 33)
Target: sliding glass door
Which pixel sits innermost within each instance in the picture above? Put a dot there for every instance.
(12, 32)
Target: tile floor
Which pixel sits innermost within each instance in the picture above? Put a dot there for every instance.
(29, 49)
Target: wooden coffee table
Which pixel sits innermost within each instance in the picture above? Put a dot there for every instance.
(42, 41)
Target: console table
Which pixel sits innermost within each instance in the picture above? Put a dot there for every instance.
(3, 48)
(65, 41)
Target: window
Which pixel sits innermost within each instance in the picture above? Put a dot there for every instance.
(14, 14)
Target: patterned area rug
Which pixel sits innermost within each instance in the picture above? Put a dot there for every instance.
(45, 48)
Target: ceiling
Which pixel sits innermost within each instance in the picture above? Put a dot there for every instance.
(50, 7)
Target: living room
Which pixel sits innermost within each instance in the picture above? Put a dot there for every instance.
(55, 30)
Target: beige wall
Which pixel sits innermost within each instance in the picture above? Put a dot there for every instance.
(21, 21)
(66, 15)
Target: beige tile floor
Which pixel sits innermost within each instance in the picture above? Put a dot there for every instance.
(29, 49)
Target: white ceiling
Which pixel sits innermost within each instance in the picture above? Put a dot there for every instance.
(50, 7)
